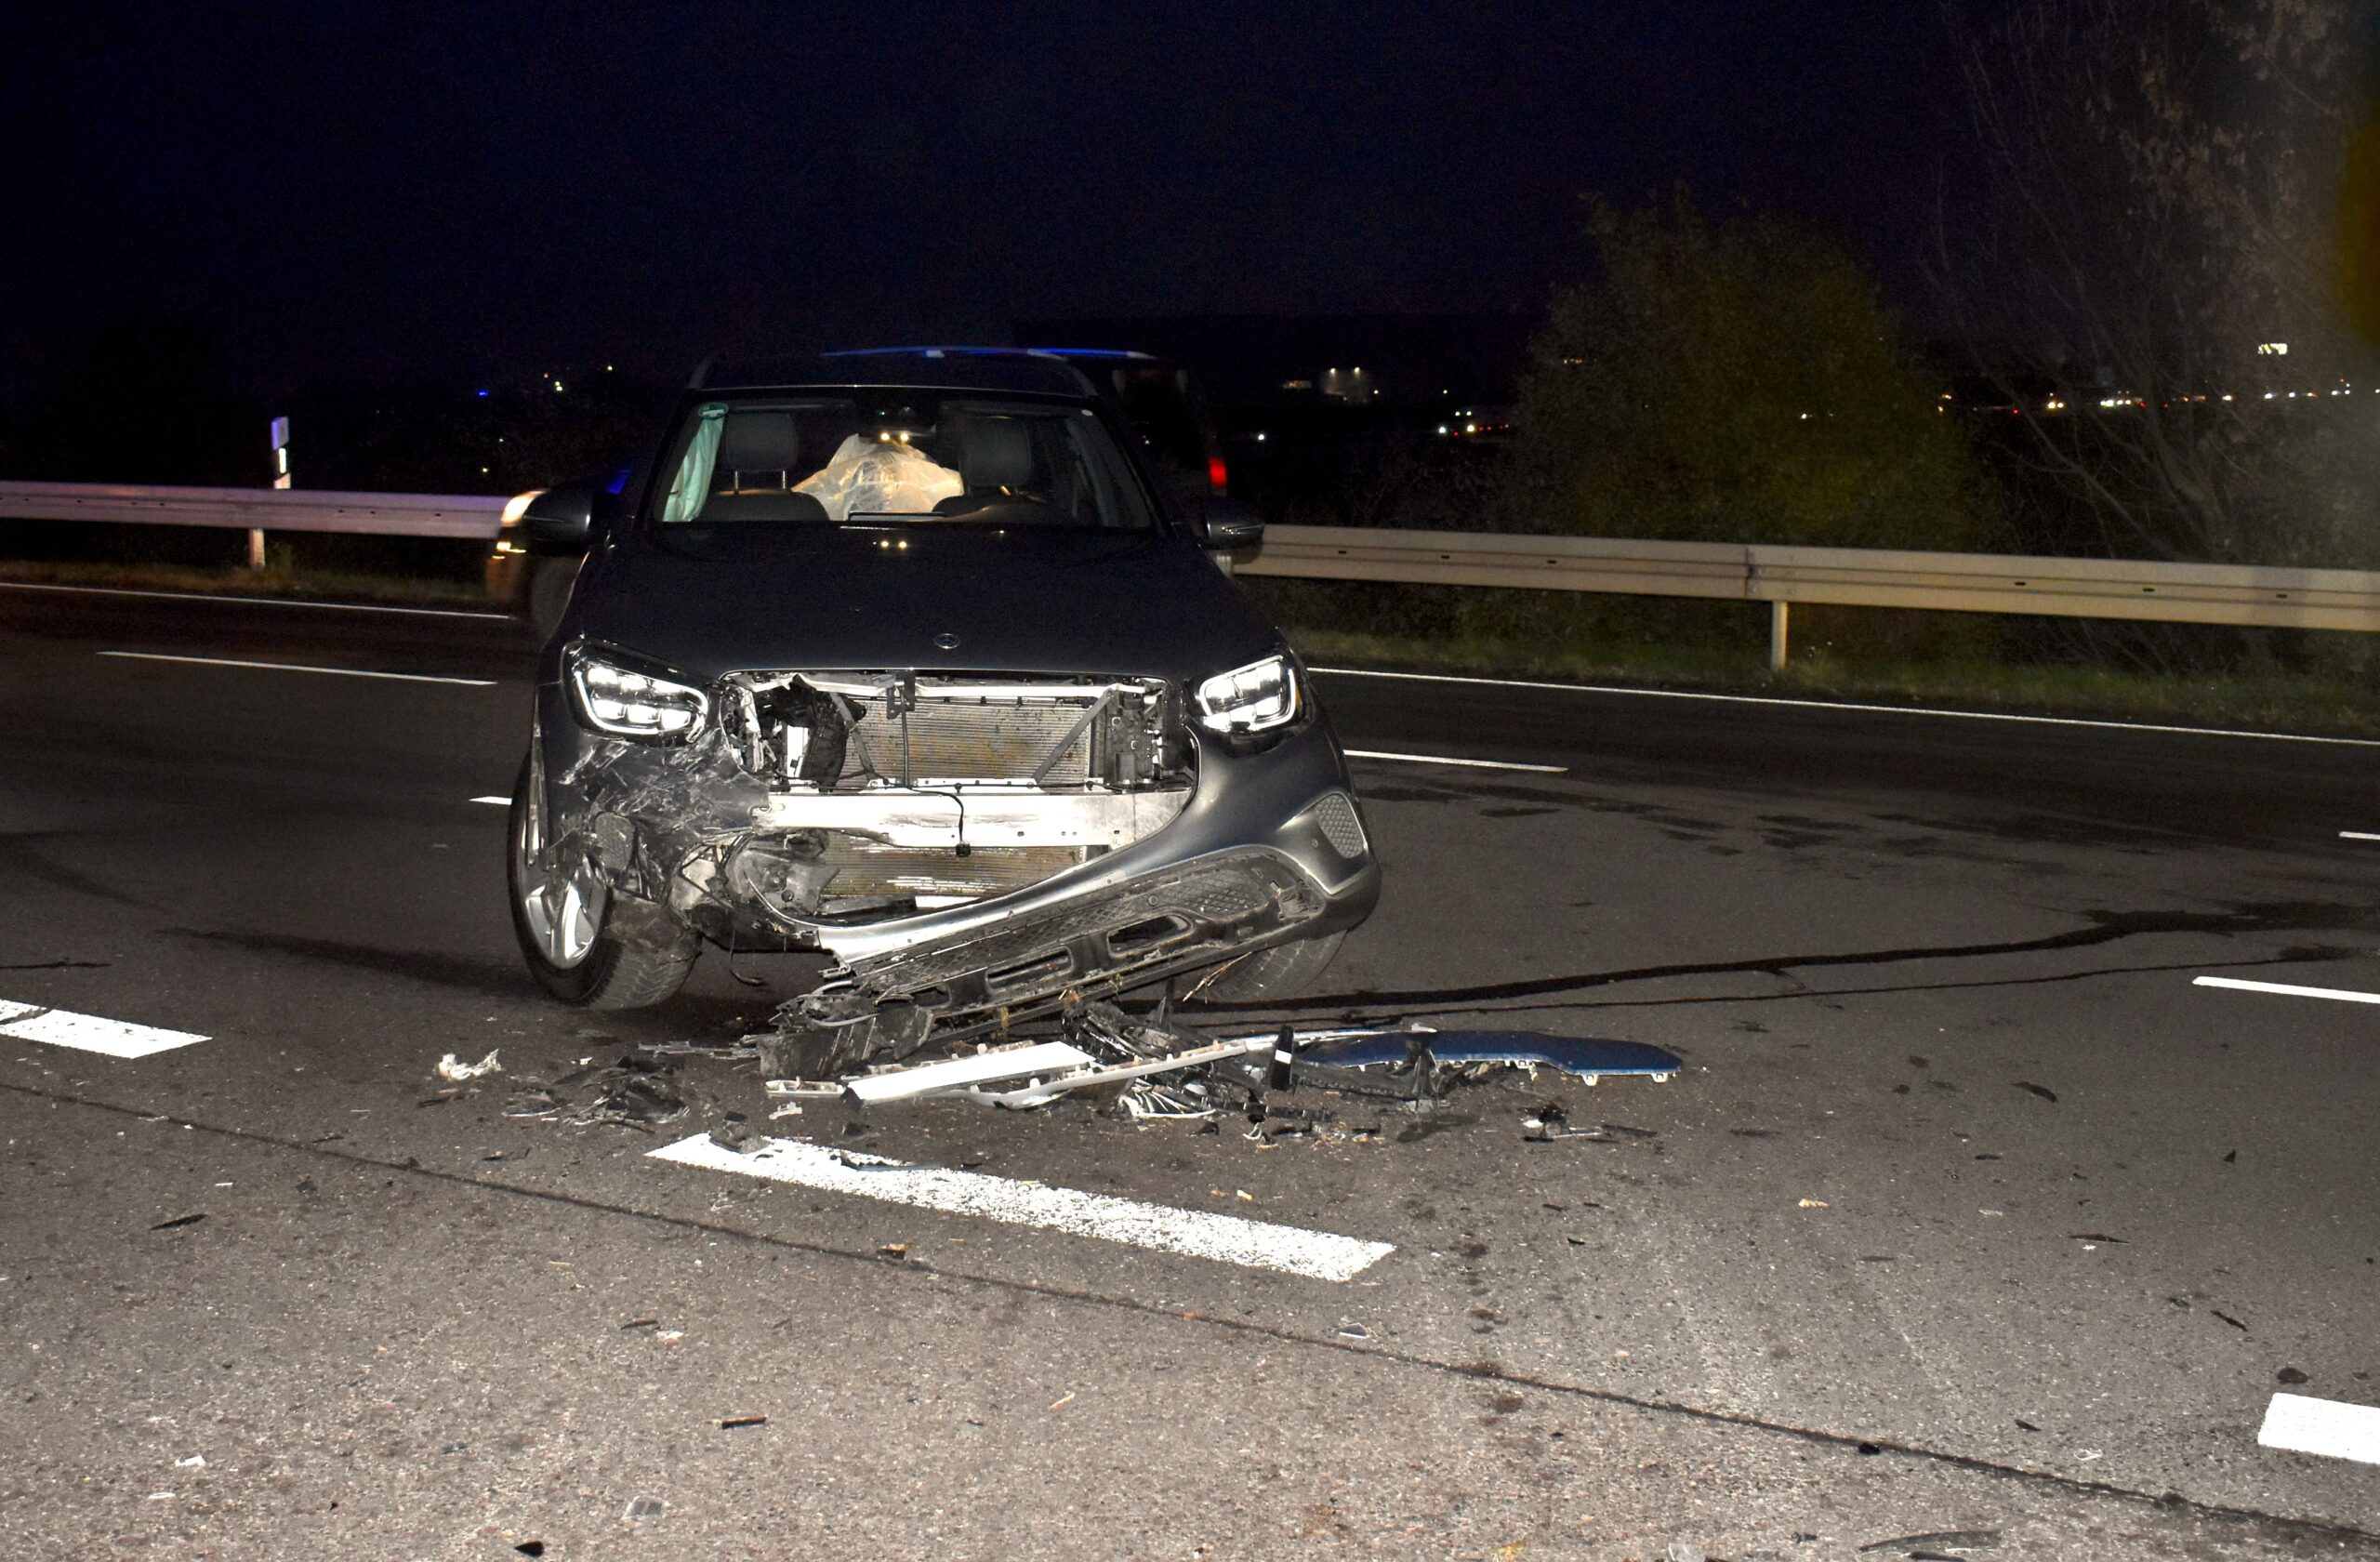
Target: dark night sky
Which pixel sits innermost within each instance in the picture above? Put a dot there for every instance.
(359, 191)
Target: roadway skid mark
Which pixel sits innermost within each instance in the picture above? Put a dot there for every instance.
(1193, 1233)
(57, 1028)
(2238, 984)
(2300, 1424)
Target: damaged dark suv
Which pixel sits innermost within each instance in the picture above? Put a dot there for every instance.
(913, 659)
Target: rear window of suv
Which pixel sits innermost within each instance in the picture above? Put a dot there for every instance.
(900, 456)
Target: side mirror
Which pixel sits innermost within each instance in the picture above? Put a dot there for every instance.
(1229, 524)
(560, 521)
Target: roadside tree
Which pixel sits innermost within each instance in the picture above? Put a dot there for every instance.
(1733, 380)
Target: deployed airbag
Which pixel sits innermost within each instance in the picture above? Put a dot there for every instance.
(870, 476)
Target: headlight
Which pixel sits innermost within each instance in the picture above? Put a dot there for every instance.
(1255, 698)
(628, 703)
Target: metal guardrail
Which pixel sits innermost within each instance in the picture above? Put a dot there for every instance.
(267, 510)
(2247, 596)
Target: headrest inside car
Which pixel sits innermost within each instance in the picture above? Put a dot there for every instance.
(997, 452)
(757, 451)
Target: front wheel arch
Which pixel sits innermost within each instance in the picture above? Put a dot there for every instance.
(636, 953)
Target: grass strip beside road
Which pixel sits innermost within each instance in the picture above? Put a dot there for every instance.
(276, 580)
(2277, 702)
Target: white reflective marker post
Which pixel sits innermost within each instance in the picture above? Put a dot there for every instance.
(279, 434)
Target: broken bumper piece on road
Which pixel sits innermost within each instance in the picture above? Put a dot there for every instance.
(1164, 1068)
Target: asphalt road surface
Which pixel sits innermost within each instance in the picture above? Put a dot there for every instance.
(1974, 1211)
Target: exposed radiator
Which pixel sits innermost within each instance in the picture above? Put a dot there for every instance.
(972, 740)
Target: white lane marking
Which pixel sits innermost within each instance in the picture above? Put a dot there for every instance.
(2342, 994)
(500, 803)
(2327, 1427)
(1842, 704)
(59, 1027)
(1195, 1233)
(2357, 835)
(1446, 760)
(253, 602)
(298, 667)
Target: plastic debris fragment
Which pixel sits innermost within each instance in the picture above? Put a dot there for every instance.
(732, 1133)
(450, 1068)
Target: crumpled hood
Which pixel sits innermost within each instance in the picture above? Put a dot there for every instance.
(1019, 599)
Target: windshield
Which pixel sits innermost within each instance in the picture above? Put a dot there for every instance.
(898, 457)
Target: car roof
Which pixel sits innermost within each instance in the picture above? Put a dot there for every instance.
(1014, 369)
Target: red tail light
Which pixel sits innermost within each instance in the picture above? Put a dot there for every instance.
(1217, 474)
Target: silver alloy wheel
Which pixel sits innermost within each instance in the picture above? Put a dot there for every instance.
(561, 903)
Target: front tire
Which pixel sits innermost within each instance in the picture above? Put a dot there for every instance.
(547, 595)
(585, 945)
(1279, 970)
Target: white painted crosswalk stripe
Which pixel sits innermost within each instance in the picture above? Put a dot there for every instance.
(59, 1028)
(1193, 1233)
(2334, 1430)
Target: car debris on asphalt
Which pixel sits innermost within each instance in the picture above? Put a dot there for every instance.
(452, 1068)
(1158, 1066)
(1145, 1068)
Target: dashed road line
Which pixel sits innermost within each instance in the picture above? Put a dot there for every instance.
(2330, 1427)
(1193, 1233)
(252, 601)
(499, 802)
(1840, 705)
(298, 667)
(59, 1028)
(2357, 835)
(1448, 759)
(2237, 984)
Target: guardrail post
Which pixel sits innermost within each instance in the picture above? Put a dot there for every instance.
(1777, 617)
(256, 548)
